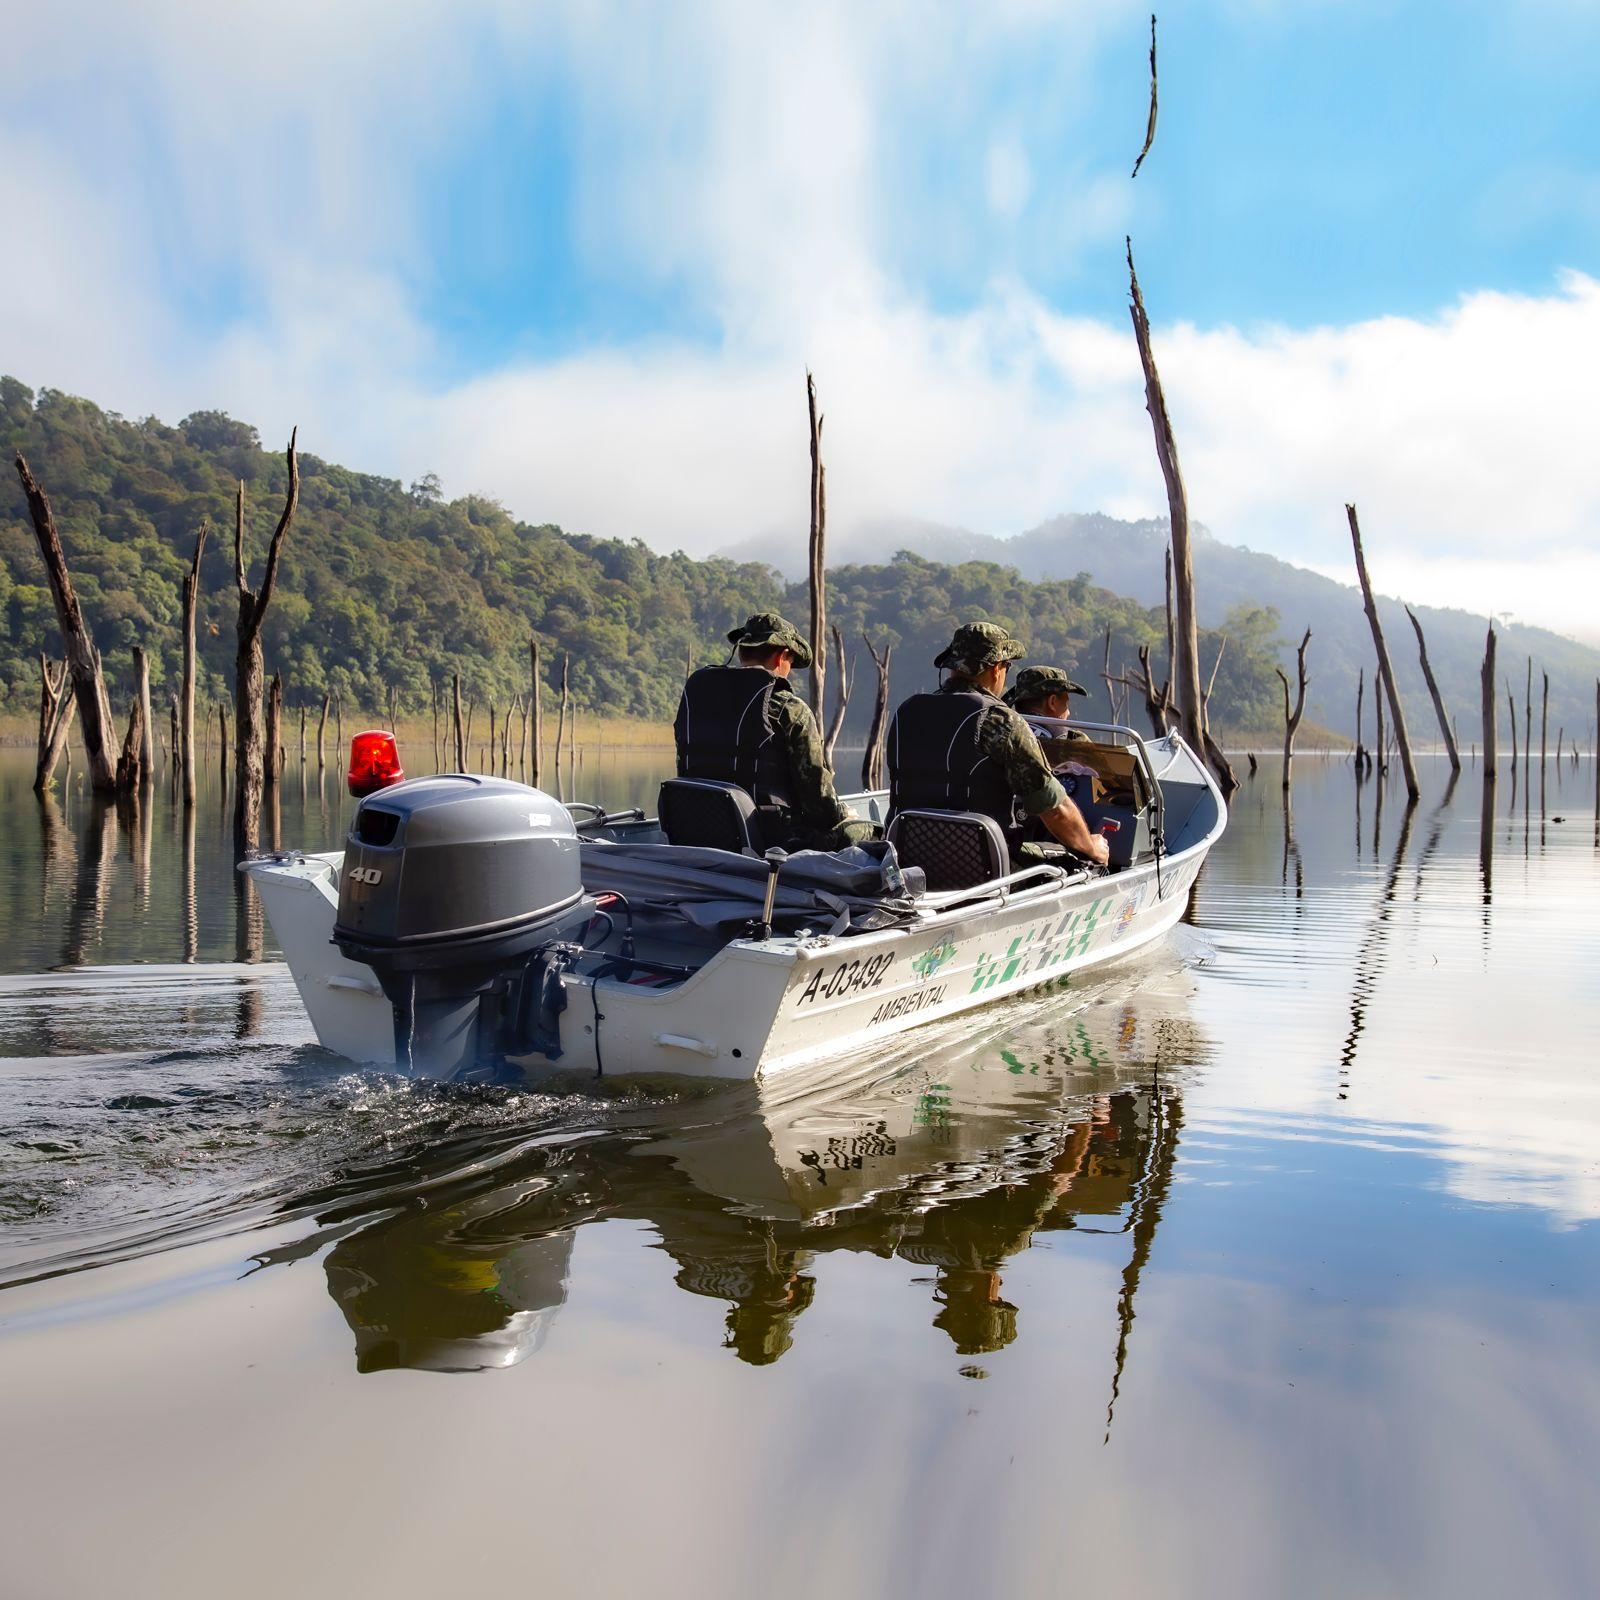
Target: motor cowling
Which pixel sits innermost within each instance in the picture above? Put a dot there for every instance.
(452, 890)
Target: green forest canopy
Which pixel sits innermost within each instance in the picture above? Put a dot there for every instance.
(384, 587)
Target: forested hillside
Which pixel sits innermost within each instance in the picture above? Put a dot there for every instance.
(386, 586)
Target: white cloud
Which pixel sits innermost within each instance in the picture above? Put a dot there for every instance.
(742, 153)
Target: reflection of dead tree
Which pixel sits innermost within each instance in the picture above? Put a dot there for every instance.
(872, 760)
(83, 660)
(1387, 684)
(1438, 699)
(55, 720)
(1368, 959)
(249, 666)
(846, 677)
(191, 904)
(1291, 719)
(86, 915)
(1155, 1184)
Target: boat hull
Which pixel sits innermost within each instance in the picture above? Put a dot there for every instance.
(757, 1009)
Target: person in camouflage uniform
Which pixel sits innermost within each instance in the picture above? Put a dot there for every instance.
(1001, 767)
(776, 754)
(1046, 692)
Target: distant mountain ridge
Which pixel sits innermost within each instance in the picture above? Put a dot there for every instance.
(1128, 557)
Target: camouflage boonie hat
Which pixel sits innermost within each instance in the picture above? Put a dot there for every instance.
(1034, 683)
(767, 628)
(977, 645)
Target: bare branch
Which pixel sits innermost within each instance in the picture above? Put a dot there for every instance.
(290, 503)
(1150, 127)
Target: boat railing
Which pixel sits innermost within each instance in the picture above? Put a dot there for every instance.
(1135, 741)
(1041, 878)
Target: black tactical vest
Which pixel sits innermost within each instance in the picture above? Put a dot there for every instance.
(936, 763)
(724, 731)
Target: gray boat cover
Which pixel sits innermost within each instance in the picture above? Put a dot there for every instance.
(841, 891)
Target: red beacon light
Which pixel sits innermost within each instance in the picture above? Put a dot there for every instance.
(374, 763)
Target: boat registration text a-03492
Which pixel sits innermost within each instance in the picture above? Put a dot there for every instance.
(849, 977)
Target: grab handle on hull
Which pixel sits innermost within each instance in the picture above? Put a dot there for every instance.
(681, 1041)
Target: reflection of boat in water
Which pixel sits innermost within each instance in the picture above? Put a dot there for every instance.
(475, 924)
(954, 1164)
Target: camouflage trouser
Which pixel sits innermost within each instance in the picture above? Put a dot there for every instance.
(841, 837)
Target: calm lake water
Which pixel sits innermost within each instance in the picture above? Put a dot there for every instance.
(1266, 1266)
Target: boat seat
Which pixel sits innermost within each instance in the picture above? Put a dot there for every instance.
(709, 814)
(955, 849)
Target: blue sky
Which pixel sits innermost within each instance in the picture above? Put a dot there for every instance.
(579, 256)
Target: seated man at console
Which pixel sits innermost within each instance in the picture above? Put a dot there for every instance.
(742, 723)
(962, 748)
(1046, 692)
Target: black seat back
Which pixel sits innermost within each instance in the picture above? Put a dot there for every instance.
(955, 849)
(709, 814)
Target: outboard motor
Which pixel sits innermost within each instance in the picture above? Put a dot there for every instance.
(464, 896)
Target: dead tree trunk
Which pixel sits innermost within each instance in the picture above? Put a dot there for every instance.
(493, 727)
(872, 762)
(1186, 677)
(1486, 682)
(83, 660)
(1544, 723)
(818, 553)
(1511, 700)
(1385, 670)
(273, 758)
(130, 764)
(458, 732)
(1527, 725)
(338, 731)
(191, 601)
(1361, 690)
(1171, 633)
(222, 743)
(1380, 733)
(536, 707)
(249, 667)
(522, 734)
(1291, 719)
(302, 736)
(836, 726)
(561, 719)
(438, 752)
(505, 744)
(322, 730)
(1438, 699)
(55, 720)
(1157, 702)
(147, 723)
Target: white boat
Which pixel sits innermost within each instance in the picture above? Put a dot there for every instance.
(661, 977)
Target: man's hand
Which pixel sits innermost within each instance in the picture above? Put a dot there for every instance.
(1065, 822)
